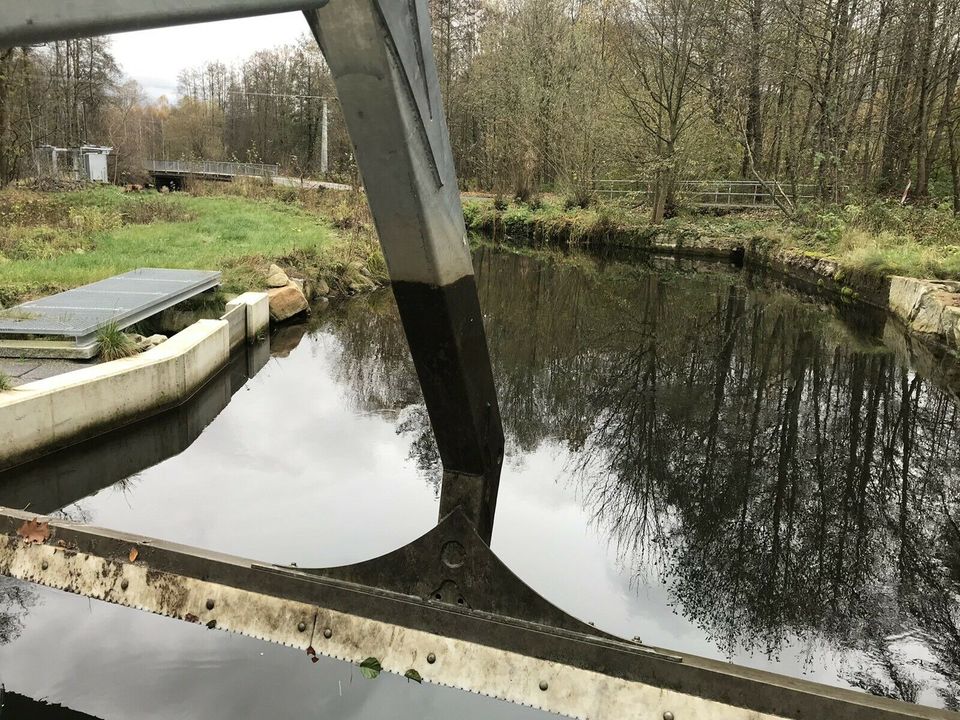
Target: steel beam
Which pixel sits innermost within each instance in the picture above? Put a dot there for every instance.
(502, 640)
(25, 22)
(380, 55)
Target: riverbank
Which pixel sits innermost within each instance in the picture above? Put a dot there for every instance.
(53, 241)
(50, 242)
(903, 260)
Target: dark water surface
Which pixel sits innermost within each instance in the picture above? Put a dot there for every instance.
(695, 457)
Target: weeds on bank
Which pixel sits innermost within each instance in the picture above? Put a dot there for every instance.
(53, 241)
(350, 262)
(113, 343)
(5, 382)
(876, 236)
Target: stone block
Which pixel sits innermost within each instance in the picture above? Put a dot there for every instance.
(286, 302)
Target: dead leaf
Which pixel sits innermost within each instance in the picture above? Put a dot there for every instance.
(190, 617)
(34, 531)
(133, 554)
(412, 674)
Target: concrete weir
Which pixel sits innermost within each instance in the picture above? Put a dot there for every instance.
(50, 414)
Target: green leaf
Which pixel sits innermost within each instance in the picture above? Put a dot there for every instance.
(370, 668)
(412, 674)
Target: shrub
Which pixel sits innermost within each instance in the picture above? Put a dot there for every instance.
(877, 217)
(5, 382)
(581, 196)
(535, 202)
(516, 221)
(500, 203)
(471, 213)
(89, 219)
(523, 192)
(113, 343)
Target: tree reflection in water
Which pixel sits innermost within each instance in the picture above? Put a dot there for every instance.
(787, 476)
(16, 599)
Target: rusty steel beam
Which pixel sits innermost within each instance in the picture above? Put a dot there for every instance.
(444, 606)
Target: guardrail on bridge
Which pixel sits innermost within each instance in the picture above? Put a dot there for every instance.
(210, 168)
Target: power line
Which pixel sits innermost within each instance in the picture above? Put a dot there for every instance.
(283, 95)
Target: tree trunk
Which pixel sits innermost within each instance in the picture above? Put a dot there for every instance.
(955, 169)
(754, 124)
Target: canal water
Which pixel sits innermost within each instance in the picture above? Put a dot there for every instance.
(706, 460)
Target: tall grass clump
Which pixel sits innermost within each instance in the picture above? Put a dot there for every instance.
(113, 343)
(5, 382)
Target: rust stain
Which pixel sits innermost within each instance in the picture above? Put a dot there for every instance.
(34, 531)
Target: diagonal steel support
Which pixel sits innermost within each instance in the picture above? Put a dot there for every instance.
(379, 52)
(380, 55)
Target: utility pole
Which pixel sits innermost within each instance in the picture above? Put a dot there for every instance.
(323, 140)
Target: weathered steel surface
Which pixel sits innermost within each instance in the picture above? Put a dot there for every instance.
(122, 300)
(573, 670)
(381, 59)
(23, 23)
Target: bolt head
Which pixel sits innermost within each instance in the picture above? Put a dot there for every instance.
(124, 584)
(327, 633)
(302, 626)
(543, 685)
(431, 658)
(453, 554)
(668, 715)
(43, 565)
(210, 604)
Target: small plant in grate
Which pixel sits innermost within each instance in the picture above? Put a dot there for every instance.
(114, 343)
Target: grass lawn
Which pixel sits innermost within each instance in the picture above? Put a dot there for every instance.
(53, 241)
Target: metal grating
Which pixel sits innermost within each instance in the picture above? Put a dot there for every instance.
(123, 299)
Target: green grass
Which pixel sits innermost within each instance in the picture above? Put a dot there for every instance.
(5, 382)
(876, 236)
(53, 241)
(113, 343)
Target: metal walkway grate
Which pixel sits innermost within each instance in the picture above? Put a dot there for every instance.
(123, 299)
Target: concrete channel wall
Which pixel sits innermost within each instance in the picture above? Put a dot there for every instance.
(50, 414)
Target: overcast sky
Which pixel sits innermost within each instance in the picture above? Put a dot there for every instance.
(155, 57)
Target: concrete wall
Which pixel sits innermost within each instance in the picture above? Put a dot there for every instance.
(256, 305)
(929, 308)
(236, 318)
(49, 414)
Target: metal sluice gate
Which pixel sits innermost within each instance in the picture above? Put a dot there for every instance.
(443, 606)
(78, 314)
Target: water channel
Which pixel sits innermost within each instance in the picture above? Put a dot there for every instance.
(708, 460)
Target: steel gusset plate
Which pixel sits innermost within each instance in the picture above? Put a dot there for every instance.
(444, 606)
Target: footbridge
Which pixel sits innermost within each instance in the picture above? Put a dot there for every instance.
(444, 608)
(173, 172)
